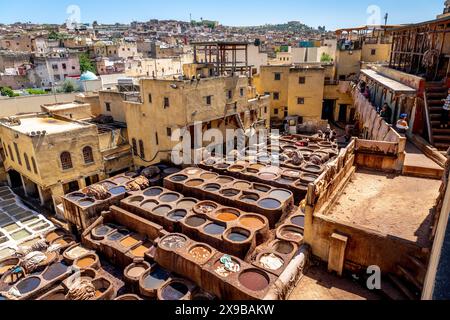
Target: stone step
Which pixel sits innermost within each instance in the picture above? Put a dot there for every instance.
(442, 146)
(436, 95)
(402, 287)
(391, 291)
(441, 138)
(410, 277)
(439, 131)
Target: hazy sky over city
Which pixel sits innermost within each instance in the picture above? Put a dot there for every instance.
(331, 13)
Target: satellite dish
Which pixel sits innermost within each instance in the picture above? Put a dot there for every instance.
(38, 133)
(32, 133)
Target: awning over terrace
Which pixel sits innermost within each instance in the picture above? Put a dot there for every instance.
(393, 85)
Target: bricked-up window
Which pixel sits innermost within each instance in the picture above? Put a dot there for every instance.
(33, 162)
(19, 159)
(27, 161)
(135, 149)
(141, 149)
(66, 160)
(88, 156)
(11, 153)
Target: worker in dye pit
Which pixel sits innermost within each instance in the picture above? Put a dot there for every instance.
(444, 111)
(386, 113)
(402, 123)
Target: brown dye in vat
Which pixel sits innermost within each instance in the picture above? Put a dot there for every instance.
(200, 254)
(208, 176)
(252, 222)
(136, 272)
(85, 262)
(227, 216)
(284, 247)
(129, 242)
(254, 280)
(224, 180)
(186, 204)
(194, 183)
(242, 185)
(149, 205)
(53, 235)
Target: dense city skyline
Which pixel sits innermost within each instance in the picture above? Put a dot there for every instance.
(310, 13)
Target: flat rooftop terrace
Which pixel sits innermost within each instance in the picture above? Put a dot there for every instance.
(44, 123)
(398, 206)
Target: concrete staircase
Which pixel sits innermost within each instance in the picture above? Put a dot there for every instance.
(435, 93)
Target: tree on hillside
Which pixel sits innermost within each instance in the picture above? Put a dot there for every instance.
(86, 64)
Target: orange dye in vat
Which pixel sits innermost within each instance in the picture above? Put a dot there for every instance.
(3, 269)
(129, 242)
(252, 222)
(227, 216)
(139, 251)
(52, 236)
(200, 254)
(242, 185)
(208, 176)
(85, 262)
(62, 242)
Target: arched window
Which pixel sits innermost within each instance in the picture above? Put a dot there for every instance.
(135, 149)
(10, 153)
(27, 161)
(33, 162)
(66, 160)
(88, 155)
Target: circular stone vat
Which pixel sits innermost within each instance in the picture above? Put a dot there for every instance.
(186, 204)
(227, 215)
(299, 221)
(280, 194)
(75, 252)
(162, 210)
(201, 254)
(76, 196)
(283, 247)
(192, 171)
(221, 270)
(307, 178)
(54, 271)
(86, 202)
(137, 199)
(267, 176)
(179, 178)
(271, 261)
(149, 205)
(118, 190)
(291, 233)
(155, 278)
(102, 231)
(212, 187)
(236, 168)
(108, 185)
(242, 185)
(28, 285)
(237, 235)
(169, 197)
(136, 270)
(253, 222)
(254, 280)
(177, 215)
(222, 166)
(205, 207)
(292, 174)
(210, 162)
(174, 290)
(230, 192)
(249, 198)
(153, 192)
(261, 188)
(121, 180)
(312, 168)
(256, 166)
(209, 176)
(128, 297)
(173, 241)
(195, 183)
(269, 204)
(224, 180)
(86, 262)
(214, 229)
(195, 222)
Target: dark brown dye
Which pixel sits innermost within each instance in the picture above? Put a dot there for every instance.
(153, 192)
(149, 205)
(237, 237)
(195, 221)
(136, 199)
(222, 166)
(281, 194)
(261, 188)
(174, 291)
(86, 202)
(254, 280)
(177, 215)
(178, 178)
(284, 247)
(28, 285)
(223, 180)
(212, 187)
(118, 190)
(270, 203)
(156, 278)
(54, 271)
(214, 229)
(161, 210)
(250, 198)
(195, 182)
(230, 192)
(299, 221)
(169, 197)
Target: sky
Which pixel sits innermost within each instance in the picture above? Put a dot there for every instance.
(331, 14)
